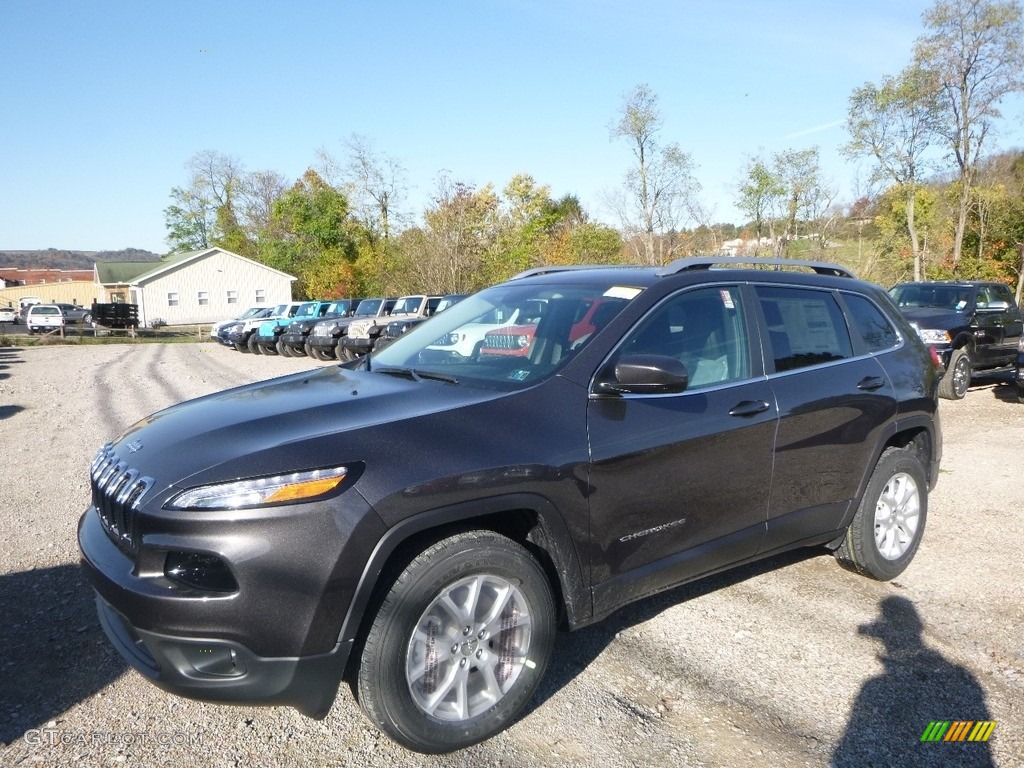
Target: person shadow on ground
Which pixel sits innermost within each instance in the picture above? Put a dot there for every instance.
(918, 686)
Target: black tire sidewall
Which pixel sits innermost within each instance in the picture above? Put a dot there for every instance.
(947, 389)
(869, 558)
(406, 603)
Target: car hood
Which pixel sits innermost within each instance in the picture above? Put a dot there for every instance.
(302, 421)
(934, 317)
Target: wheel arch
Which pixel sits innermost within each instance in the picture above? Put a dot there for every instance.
(965, 341)
(915, 434)
(528, 519)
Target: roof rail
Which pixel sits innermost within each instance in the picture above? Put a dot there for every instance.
(534, 271)
(707, 262)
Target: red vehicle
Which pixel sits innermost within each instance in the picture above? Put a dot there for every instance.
(515, 340)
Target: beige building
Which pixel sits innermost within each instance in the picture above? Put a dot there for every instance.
(193, 287)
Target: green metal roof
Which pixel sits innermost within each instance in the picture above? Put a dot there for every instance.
(123, 272)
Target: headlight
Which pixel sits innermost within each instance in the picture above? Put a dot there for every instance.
(257, 492)
(523, 340)
(933, 336)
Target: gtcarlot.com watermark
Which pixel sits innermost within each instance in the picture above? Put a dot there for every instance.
(52, 737)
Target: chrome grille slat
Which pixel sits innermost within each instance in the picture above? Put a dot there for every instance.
(117, 493)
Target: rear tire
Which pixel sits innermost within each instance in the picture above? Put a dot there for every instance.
(239, 346)
(458, 644)
(889, 523)
(958, 376)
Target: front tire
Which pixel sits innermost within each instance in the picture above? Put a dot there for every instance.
(458, 644)
(958, 376)
(889, 523)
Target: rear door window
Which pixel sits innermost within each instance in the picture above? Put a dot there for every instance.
(805, 327)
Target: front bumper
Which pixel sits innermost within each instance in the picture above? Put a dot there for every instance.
(267, 342)
(280, 638)
(945, 353)
(296, 340)
(224, 671)
(358, 346)
(323, 342)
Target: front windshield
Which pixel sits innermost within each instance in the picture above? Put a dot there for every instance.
(368, 307)
(407, 306)
(953, 297)
(306, 310)
(505, 337)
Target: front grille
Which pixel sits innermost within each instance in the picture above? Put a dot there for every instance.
(117, 493)
(501, 341)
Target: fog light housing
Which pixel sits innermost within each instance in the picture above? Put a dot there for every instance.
(199, 571)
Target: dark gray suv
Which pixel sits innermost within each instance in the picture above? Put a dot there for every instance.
(422, 524)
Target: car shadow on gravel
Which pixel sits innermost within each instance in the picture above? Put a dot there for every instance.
(54, 652)
(904, 716)
(575, 651)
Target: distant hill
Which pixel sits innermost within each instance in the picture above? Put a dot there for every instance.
(54, 258)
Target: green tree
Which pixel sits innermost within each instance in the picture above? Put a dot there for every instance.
(659, 190)
(203, 214)
(317, 240)
(762, 195)
(974, 50)
(893, 125)
(189, 220)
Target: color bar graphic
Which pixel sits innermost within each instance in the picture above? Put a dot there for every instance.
(958, 730)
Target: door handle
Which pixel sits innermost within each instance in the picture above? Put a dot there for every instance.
(871, 383)
(749, 408)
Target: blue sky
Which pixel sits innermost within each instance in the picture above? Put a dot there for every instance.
(102, 103)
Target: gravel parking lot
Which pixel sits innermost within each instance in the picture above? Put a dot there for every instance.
(792, 662)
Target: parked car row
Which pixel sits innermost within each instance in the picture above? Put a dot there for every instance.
(30, 314)
(343, 329)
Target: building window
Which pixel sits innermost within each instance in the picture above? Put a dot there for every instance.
(204, 298)
(261, 296)
(232, 297)
(172, 299)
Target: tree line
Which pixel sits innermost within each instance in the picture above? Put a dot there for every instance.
(937, 202)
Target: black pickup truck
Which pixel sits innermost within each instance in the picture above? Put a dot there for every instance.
(972, 325)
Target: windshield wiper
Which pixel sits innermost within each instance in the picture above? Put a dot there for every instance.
(447, 378)
(416, 374)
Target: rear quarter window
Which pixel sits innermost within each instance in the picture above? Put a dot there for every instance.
(871, 324)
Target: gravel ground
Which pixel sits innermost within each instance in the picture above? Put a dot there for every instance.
(793, 662)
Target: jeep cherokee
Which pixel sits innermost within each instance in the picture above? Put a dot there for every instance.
(261, 544)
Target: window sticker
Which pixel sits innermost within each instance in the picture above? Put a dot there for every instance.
(727, 299)
(622, 292)
(519, 375)
(960, 305)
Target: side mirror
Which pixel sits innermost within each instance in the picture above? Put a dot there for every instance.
(646, 375)
(995, 306)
